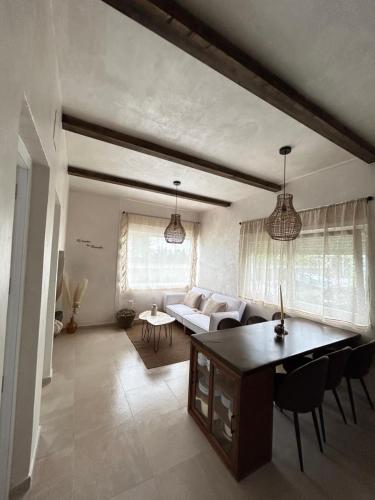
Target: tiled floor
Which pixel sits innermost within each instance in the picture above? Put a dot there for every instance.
(111, 429)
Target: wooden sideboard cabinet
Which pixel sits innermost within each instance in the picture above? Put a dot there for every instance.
(228, 406)
(231, 384)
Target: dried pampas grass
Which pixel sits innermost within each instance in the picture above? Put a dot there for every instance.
(79, 292)
(67, 296)
(74, 299)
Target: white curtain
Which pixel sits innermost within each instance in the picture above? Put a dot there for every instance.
(323, 273)
(147, 261)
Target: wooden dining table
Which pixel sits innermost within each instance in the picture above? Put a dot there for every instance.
(249, 355)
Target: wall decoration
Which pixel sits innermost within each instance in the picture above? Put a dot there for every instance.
(96, 247)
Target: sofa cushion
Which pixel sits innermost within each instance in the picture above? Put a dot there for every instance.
(212, 306)
(233, 304)
(197, 322)
(178, 311)
(206, 294)
(192, 299)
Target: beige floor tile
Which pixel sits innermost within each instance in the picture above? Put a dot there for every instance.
(62, 490)
(175, 370)
(57, 405)
(127, 357)
(106, 409)
(180, 388)
(114, 458)
(56, 435)
(60, 384)
(186, 481)
(158, 432)
(53, 471)
(152, 399)
(94, 368)
(86, 490)
(144, 491)
(103, 383)
(134, 377)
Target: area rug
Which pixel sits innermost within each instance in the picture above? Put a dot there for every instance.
(166, 355)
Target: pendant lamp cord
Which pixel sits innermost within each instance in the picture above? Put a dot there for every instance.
(284, 174)
(176, 202)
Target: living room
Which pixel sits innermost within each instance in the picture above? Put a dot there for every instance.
(191, 296)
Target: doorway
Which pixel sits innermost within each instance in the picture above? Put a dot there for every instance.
(14, 315)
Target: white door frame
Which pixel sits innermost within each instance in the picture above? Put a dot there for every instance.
(14, 315)
(51, 306)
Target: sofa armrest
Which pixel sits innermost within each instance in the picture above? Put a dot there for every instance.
(215, 318)
(173, 298)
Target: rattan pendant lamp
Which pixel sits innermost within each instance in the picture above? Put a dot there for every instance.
(175, 232)
(284, 223)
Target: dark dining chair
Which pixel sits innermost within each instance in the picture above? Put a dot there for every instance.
(302, 391)
(228, 323)
(277, 315)
(336, 369)
(253, 320)
(358, 367)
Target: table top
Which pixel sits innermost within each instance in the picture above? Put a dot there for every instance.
(251, 348)
(160, 320)
(145, 314)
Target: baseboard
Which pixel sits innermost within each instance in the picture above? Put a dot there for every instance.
(24, 485)
(20, 488)
(46, 380)
(33, 456)
(96, 325)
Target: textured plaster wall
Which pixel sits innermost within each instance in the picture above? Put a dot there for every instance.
(220, 229)
(96, 218)
(28, 73)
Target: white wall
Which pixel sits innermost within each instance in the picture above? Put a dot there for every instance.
(28, 71)
(95, 217)
(220, 229)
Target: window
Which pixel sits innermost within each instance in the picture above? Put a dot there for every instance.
(146, 261)
(324, 272)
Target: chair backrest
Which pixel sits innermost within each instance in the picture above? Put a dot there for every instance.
(360, 360)
(303, 389)
(228, 323)
(277, 315)
(253, 320)
(336, 367)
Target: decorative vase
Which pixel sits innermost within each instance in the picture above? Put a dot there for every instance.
(125, 318)
(280, 331)
(72, 326)
(154, 310)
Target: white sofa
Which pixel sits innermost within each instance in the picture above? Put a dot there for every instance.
(193, 318)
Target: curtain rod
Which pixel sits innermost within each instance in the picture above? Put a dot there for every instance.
(369, 198)
(157, 217)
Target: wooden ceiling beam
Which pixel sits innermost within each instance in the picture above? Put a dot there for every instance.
(175, 24)
(127, 141)
(121, 181)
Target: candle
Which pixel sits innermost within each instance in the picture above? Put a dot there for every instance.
(281, 304)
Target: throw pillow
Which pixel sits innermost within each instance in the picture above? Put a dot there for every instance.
(212, 306)
(192, 299)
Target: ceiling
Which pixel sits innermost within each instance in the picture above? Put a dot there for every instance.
(120, 75)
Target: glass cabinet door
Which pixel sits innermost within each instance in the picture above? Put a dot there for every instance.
(202, 384)
(223, 408)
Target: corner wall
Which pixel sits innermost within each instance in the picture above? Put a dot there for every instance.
(96, 218)
(220, 230)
